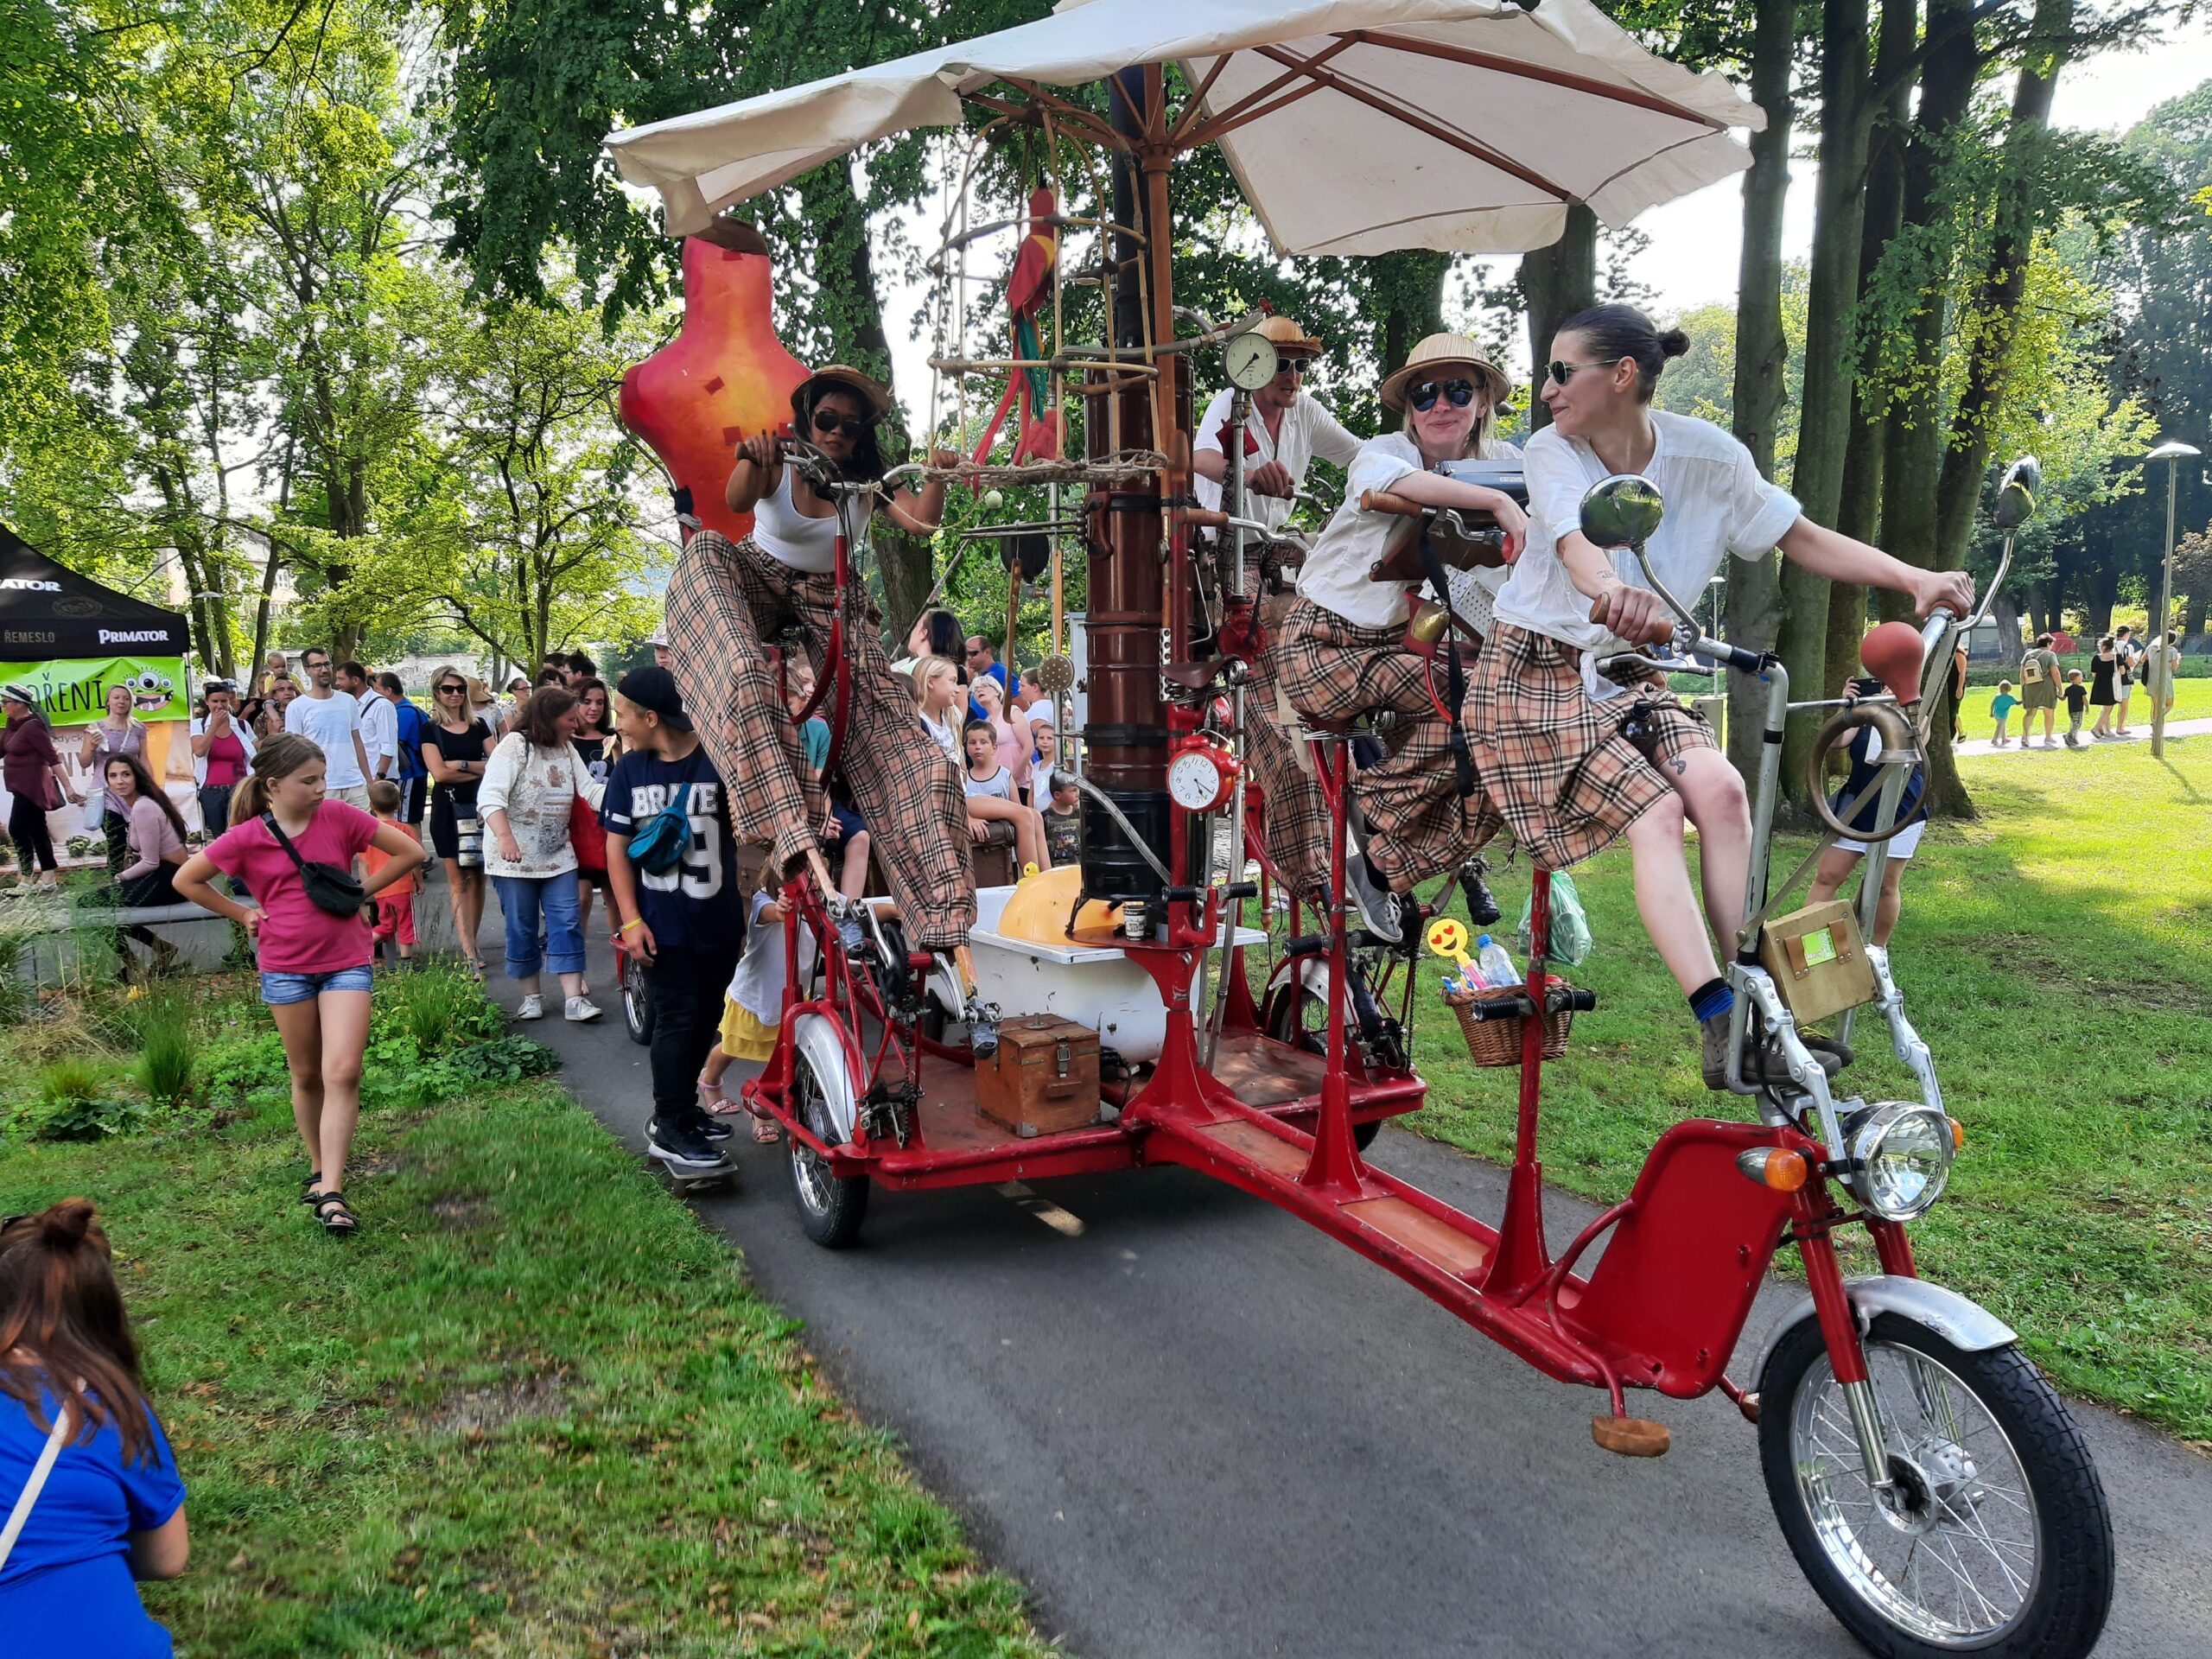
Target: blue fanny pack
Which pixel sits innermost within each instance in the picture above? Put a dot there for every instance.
(662, 839)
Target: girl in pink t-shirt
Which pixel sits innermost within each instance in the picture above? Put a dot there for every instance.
(315, 966)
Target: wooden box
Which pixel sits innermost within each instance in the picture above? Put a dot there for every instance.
(1818, 960)
(1044, 1076)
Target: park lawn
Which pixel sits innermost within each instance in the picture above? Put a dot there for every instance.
(533, 1408)
(2192, 701)
(2055, 955)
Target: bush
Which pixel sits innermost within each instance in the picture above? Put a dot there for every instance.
(167, 1047)
(89, 1120)
(70, 1080)
(435, 1007)
(458, 1071)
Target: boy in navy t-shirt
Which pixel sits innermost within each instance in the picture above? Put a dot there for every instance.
(686, 923)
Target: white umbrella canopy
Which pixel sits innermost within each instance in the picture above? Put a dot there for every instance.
(1354, 126)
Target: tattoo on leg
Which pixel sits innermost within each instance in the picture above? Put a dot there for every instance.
(1681, 767)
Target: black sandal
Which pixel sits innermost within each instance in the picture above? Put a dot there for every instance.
(330, 1209)
(308, 1194)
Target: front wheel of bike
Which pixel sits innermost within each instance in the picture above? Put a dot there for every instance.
(1991, 1537)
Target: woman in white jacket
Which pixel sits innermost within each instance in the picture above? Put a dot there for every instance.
(531, 785)
(222, 755)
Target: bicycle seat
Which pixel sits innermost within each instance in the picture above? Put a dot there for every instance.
(1201, 675)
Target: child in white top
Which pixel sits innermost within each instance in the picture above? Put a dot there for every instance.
(752, 1009)
(990, 796)
(936, 691)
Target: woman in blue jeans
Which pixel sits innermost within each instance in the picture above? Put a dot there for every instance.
(531, 786)
(110, 1507)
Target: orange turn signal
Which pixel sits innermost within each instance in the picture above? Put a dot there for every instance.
(1773, 1166)
(1957, 1135)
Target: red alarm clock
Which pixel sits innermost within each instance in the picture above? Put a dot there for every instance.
(1201, 773)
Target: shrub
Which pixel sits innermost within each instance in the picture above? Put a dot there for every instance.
(70, 1080)
(435, 1007)
(89, 1120)
(503, 1060)
(167, 1048)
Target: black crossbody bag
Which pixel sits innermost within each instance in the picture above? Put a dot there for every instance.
(328, 888)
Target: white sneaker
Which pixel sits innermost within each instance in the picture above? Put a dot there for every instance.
(580, 1010)
(532, 1007)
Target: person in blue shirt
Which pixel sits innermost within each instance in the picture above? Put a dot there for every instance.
(110, 1509)
(1837, 862)
(982, 660)
(686, 923)
(407, 770)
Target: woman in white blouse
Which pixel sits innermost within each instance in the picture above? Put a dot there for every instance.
(531, 785)
(1342, 650)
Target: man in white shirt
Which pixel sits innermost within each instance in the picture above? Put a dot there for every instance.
(1286, 428)
(380, 721)
(333, 723)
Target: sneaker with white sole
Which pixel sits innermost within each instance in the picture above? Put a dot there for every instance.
(532, 1007)
(1378, 905)
(580, 1010)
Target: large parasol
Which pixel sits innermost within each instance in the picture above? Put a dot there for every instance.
(1354, 126)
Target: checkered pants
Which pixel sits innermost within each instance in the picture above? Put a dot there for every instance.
(1417, 824)
(1294, 815)
(1566, 775)
(722, 598)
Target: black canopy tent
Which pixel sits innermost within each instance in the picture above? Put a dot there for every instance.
(49, 612)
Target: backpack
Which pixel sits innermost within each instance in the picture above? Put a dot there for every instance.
(2032, 669)
(661, 840)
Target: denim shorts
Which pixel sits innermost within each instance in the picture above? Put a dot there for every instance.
(278, 989)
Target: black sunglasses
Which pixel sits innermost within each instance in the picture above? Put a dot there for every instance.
(1563, 373)
(456, 689)
(1457, 393)
(828, 420)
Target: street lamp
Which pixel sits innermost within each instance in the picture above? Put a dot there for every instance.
(2173, 452)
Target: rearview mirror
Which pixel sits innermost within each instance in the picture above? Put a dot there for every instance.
(2015, 496)
(1623, 510)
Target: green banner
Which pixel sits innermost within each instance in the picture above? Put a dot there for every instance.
(74, 693)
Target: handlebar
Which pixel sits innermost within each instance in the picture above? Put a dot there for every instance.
(1396, 506)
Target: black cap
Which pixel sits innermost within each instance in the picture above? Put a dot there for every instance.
(655, 689)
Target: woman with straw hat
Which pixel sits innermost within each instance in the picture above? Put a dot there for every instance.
(726, 595)
(1343, 650)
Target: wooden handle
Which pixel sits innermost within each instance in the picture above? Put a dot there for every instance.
(1383, 501)
(1204, 518)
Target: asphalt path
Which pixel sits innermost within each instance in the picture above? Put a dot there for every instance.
(1193, 1426)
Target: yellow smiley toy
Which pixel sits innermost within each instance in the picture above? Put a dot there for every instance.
(1447, 938)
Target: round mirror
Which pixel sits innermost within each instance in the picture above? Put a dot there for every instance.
(2015, 496)
(1623, 510)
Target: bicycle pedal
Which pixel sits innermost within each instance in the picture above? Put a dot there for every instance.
(1632, 1437)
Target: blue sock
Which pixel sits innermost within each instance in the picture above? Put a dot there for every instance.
(1712, 999)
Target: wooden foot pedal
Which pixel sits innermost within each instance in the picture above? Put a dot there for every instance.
(1630, 1437)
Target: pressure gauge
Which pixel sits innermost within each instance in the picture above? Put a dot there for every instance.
(1250, 359)
(1202, 776)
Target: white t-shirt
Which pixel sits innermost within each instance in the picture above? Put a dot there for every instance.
(1716, 504)
(1308, 429)
(329, 723)
(944, 733)
(1334, 575)
(1000, 784)
(379, 731)
(758, 985)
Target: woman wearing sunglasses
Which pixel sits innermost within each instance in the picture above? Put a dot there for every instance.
(1574, 760)
(1342, 650)
(725, 595)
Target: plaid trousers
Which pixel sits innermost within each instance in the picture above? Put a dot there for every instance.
(1417, 824)
(1293, 814)
(723, 597)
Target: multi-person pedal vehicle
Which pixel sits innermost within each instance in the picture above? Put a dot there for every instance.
(1929, 1481)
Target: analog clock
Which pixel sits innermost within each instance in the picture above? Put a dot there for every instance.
(1202, 776)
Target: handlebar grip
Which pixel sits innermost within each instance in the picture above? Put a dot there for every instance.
(1667, 628)
(1396, 506)
(1306, 945)
(1241, 890)
(1564, 999)
(1205, 518)
(1184, 895)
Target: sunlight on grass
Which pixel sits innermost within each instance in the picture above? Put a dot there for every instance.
(2057, 955)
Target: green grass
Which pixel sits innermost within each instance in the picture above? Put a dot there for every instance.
(2055, 955)
(532, 1408)
(2192, 701)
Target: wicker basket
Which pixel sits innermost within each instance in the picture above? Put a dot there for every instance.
(1496, 1041)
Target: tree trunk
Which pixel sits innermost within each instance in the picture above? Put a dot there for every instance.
(1824, 422)
(1751, 602)
(1557, 281)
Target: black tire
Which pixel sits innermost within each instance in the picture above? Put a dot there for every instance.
(637, 1001)
(1297, 1018)
(830, 1207)
(2067, 1557)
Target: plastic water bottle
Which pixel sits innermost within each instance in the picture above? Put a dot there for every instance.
(1497, 967)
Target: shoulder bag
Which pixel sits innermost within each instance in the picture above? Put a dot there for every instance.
(36, 1484)
(586, 833)
(328, 888)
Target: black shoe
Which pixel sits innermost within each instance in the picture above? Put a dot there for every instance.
(681, 1148)
(716, 1133)
(983, 1028)
(1378, 905)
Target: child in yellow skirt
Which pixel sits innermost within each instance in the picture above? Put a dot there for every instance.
(752, 1009)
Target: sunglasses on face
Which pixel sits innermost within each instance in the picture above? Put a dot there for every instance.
(451, 691)
(828, 420)
(1457, 393)
(1563, 373)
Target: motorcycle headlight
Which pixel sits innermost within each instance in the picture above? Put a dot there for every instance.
(1901, 1157)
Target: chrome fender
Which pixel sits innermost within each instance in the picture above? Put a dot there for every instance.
(1965, 1325)
(821, 1045)
(1313, 974)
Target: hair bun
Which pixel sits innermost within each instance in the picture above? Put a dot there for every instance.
(1673, 342)
(67, 1223)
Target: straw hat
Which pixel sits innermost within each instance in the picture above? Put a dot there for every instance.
(1290, 339)
(1437, 353)
(876, 396)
